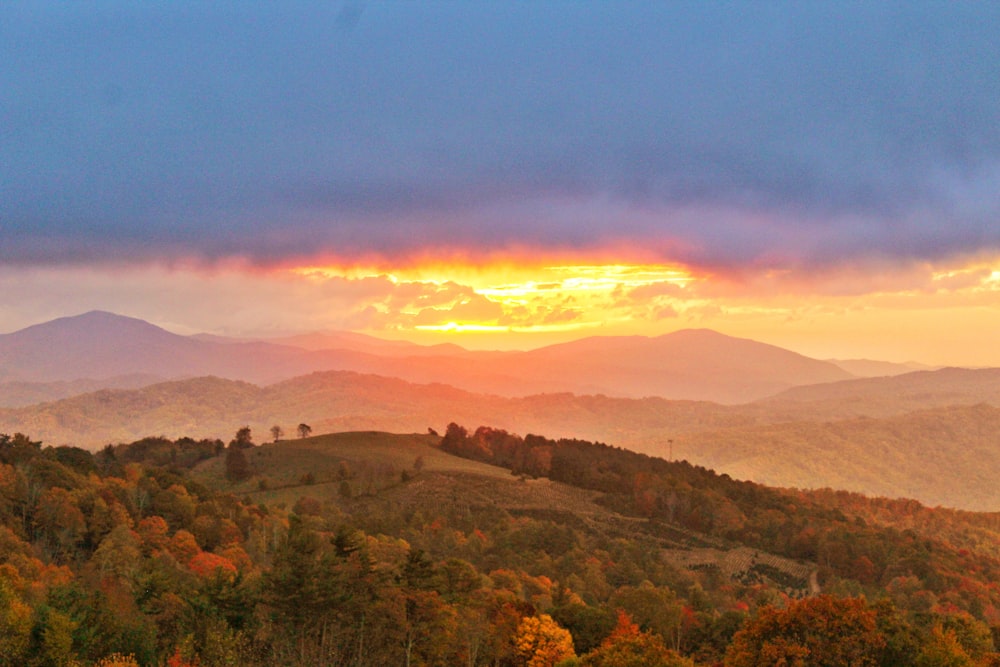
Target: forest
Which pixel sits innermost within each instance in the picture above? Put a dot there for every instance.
(373, 549)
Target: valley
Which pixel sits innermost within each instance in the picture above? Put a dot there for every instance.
(927, 434)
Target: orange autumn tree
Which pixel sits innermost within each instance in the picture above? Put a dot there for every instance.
(824, 631)
(541, 642)
(207, 565)
(626, 646)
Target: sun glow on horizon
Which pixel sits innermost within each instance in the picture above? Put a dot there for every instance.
(848, 311)
(503, 297)
(944, 313)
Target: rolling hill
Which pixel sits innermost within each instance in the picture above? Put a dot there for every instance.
(15, 394)
(925, 434)
(887, 396)
(874, 368)
(943, 455)
(342, 400)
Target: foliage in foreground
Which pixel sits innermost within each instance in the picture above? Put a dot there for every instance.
(125, 558)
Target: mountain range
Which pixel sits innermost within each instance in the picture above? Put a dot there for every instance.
(923, 434)
(688, 364)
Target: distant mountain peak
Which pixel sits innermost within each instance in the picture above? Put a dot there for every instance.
(95, 344)
(92, 321)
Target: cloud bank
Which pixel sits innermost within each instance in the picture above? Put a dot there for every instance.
(731, 136)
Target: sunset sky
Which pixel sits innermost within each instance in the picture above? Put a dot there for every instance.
(820, 176)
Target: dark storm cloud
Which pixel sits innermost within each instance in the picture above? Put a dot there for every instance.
(719, 133)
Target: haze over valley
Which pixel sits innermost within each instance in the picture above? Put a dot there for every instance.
(751, 410)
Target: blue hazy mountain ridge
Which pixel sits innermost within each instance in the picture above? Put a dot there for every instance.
(687, 364)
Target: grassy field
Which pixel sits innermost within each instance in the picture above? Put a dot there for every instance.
(370, 472)
(403, 470)
(369, 461)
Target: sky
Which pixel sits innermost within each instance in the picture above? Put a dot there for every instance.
(823, 176)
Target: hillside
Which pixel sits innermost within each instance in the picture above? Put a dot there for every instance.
(694, 364)
(887, 396)
(373, 464)
(941, 456)
(376, 548)
(874, 368)
(16, 394)
(337, 401)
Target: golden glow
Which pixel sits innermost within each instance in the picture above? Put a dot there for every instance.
(853, 311)
(455, 327)
(504, 297)
(943, 312)
(469, 327)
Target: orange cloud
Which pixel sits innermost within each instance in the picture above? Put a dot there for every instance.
(942, 312)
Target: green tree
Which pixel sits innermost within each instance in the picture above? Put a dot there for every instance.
(588, 625)
(18, 448)
(277, 432)
(304, 430)
(243, 438)
(237, 464)
(119, 554)
(430, 625)
(297, 590)
(57, 639)
(656, 609)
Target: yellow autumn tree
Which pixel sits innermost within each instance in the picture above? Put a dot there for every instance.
(541, 642)
(15, 626)
(943, 648)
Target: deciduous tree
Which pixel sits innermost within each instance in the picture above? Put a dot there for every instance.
(626, 646)
(824, 631)
(541, 642)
